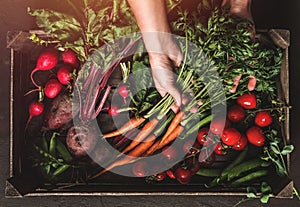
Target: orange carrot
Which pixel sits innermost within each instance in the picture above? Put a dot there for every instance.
(161, 143)
(132, 156)
(145, 131)
(131, 124)
(175, 122)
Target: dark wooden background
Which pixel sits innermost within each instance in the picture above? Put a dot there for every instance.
(267, 14)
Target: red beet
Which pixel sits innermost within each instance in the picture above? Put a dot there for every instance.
(52, 88)
(60, 112)
(47, 60)
(64, 74)
(70, 57)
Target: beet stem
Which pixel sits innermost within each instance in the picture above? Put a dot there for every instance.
(99, 108)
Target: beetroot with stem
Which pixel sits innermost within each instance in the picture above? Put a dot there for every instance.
(35, 109)
(60, 112)
(98, 78)
(52, 88)
(47, 60)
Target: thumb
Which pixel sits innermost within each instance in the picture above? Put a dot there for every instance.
(174, 92)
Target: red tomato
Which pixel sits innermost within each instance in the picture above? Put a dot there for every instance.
(206, 159)
(263, 119)
(169, 152)
(139, 169)
(170, 174)
(191, 147)
(230, 136)
(247, 101)
(241, 144)
(218, 125)
(194, 165)
(219, 150)
(202, 136)
(256, 136)
(161, 176)
(183, 175)
(236, 113)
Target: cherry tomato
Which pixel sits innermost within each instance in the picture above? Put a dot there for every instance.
(191, 147)
(218, 125)
(263, 119)
(139, 169)
(161, 176)
(169, 152)
(206, 159)
(193, 164)
(236, 113)
(230, 136)
(241, 144)
(202, 136)
(247, 101)
(170, 174)
(219, 149)
(256, 136)
(183, 175)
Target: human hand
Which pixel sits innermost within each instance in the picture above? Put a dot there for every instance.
(164, 56)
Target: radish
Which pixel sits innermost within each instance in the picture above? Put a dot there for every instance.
(52, 88)
(47, 60)
(70, 57)
(64, 74)
(113, 111)
(122, 90)
(35, 109)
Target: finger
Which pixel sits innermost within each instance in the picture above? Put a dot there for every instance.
(176, 56)
(251, 83)
(235, 84)
(174, 92)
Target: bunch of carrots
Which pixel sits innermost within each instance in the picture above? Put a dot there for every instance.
(155, 133)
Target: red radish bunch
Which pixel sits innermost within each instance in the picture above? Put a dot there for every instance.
(47, 60)
(70, 57)
(64, 74)
(35, 109)
(52, 88)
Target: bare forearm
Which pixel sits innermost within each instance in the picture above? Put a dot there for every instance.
(151, 15)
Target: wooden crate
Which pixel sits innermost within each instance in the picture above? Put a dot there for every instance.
(23, 183)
